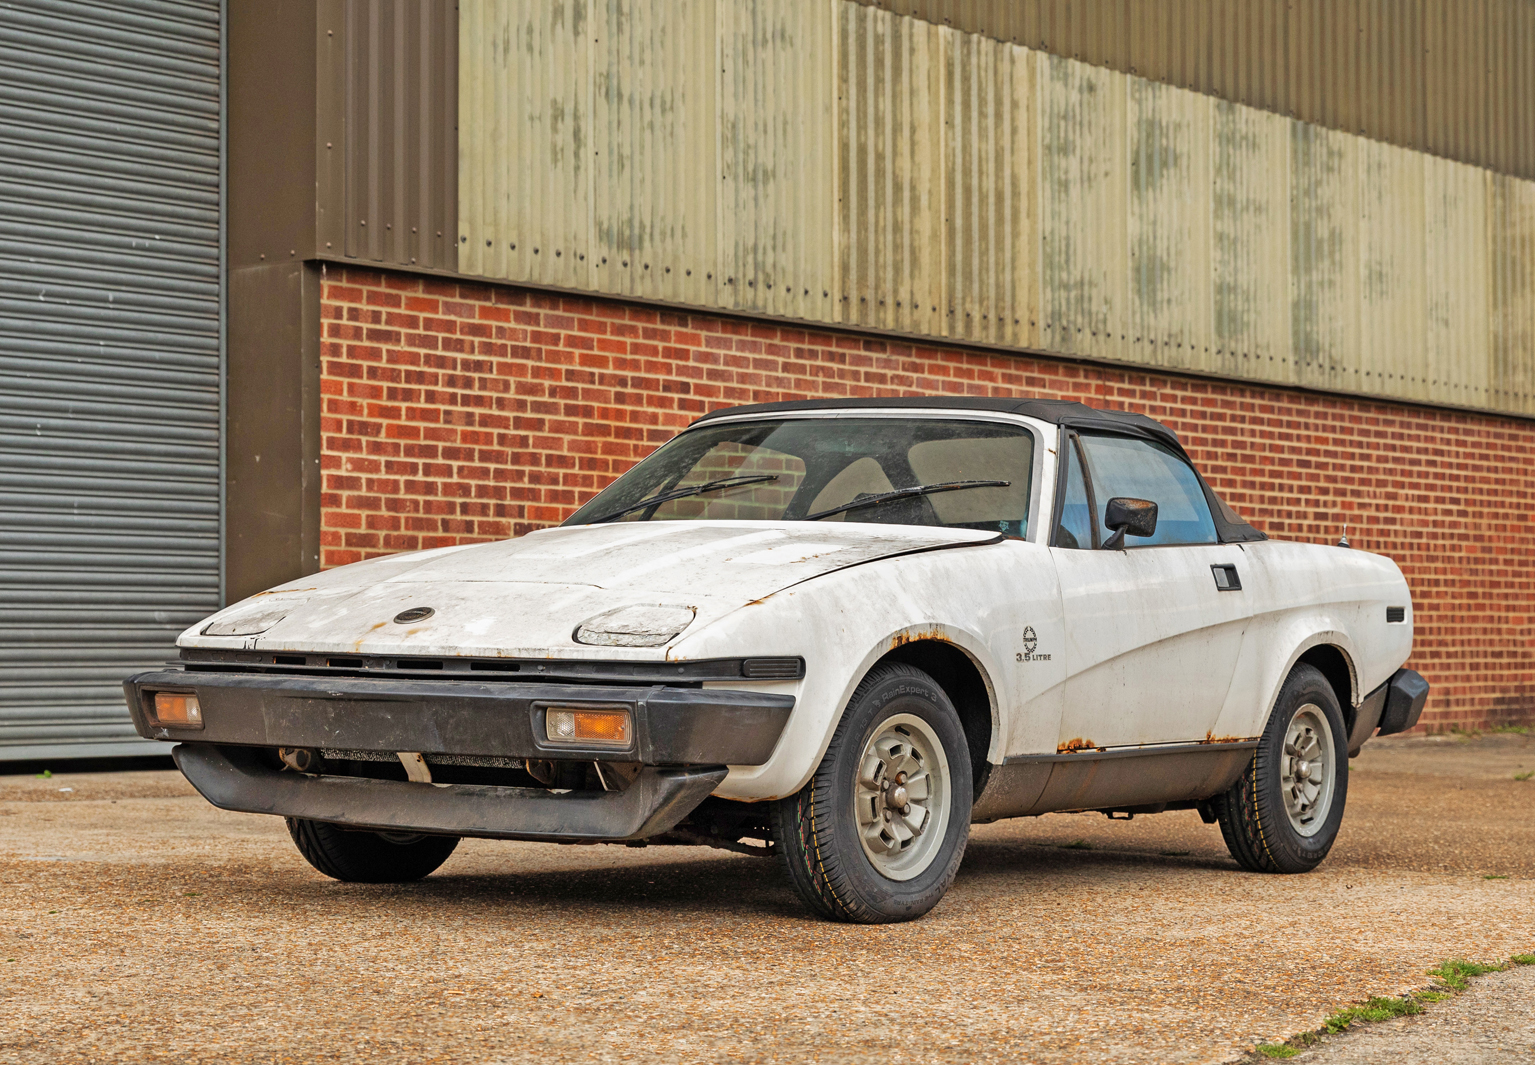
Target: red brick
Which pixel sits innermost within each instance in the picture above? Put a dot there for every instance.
(555, 408)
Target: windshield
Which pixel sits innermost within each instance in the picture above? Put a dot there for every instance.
(832, 469)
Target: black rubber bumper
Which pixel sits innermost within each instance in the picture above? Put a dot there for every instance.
(232, 778)
(1393, 707)
(672, 726)
(1406, 694)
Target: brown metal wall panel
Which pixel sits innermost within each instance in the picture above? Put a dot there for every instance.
(273, 449)
(271, 131)
(387, 147)
(1451, 77)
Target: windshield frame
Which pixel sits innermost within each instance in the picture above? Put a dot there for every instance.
(1042, 432)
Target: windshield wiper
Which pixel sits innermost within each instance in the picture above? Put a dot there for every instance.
(902, 493)
(683, 493)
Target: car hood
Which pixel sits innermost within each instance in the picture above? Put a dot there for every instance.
(526, 597)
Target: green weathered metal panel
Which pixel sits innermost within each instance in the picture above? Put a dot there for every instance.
(831, 162)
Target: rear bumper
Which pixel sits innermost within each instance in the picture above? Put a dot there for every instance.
(233, 778)
(1406, 695)
(1393, 707)
(672, 726)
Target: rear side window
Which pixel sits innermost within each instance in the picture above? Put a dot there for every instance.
(1145, 469)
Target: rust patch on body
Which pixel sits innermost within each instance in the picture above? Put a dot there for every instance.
(1073, 746)
(901, 639)
(1212, 738)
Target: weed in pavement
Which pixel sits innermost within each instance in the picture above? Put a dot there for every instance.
(1456, 972)
(1454, 975)
(1277, 1050)
(1377, 1009)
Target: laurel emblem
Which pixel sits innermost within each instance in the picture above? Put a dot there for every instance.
(1030, 640)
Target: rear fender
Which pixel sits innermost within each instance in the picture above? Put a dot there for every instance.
(1262, 669)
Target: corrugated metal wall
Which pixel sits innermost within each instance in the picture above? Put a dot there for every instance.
(826, 160)
(388, 147)
(1452, 77)
(109, 357)
(679, 151)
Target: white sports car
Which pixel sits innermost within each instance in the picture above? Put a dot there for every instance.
(837, 631)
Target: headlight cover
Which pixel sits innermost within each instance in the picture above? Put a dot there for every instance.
(639, 625)
(252, 618)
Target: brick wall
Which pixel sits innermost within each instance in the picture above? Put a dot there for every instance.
(457, 412)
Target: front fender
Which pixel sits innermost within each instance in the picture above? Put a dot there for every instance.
(843, 625)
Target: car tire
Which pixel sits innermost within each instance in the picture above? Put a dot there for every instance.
(861, 844)
(1282, 816)
(368, 857)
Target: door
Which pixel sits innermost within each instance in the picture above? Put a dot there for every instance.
(1152, 631)
(109, 367)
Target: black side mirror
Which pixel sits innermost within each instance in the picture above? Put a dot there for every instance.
(1129, 517)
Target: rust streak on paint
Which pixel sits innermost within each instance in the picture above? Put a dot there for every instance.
(364, 637)
(1073, 746)
(1212, 738)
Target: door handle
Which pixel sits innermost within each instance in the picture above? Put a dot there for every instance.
(1226, 579)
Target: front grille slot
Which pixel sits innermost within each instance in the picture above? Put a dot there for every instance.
(419, 663)
(1396, 614)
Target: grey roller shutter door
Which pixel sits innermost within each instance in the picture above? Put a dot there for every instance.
(109, 358)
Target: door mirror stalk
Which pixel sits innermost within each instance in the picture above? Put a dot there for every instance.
(1128, 517)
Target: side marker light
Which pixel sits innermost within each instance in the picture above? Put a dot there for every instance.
(177, 710)
(609, 728)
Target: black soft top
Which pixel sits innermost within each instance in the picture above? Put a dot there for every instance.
(1230, 525)
(1059, 411)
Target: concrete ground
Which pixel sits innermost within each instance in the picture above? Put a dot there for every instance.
(1493, 1022)
(137, 923)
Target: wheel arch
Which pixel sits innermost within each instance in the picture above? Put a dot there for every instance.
(1334, 664)
(965, 682)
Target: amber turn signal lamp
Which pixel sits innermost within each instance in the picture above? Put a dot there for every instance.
(177, 710)
(608, 728)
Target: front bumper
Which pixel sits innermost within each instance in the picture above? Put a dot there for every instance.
(672, 726)
(233, 778)
(682, 738)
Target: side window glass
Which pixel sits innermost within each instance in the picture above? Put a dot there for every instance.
(1144, 469)
(1076, 525)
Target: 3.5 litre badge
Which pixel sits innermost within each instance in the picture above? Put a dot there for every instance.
(1030, 647)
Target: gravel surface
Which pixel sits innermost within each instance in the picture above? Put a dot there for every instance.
(138, 923)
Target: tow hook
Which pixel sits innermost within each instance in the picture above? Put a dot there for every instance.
(300, 759)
